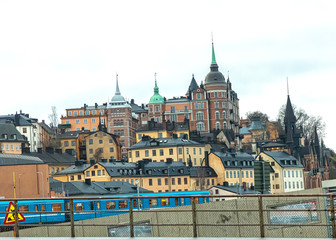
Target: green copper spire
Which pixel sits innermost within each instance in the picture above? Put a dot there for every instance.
(213, 61)
(156, 98)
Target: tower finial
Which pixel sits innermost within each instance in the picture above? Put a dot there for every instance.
(156, 88)
(117, 92)
(213, 61)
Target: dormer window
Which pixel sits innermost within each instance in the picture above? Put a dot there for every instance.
(4, 136)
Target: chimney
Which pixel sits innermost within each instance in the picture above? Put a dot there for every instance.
(225, 184)
(175, 136)
(112, 159)
(103, 160)
(39, 150)
(132, 101)
(169, 160)
(50, 150)
(92, 162)
(58, 150)
(142, 106)
(141, 165)
(26, 150)
(206, 158)
(88, 181)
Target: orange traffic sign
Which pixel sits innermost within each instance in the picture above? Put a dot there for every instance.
(10, 216)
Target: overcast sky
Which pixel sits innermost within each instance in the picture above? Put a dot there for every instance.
(67, 53)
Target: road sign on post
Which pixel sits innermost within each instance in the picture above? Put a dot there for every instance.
(10, 216)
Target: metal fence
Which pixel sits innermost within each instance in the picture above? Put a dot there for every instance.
(309, 215)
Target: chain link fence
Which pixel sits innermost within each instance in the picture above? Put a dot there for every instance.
(277, 216)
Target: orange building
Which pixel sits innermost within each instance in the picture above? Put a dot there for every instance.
(23, 177)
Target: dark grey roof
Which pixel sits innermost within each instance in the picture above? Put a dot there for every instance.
(237, 189)
(177, 99)
(145, 168)
(95, 188)
(13, 135)
(53, 158)
(256, 124)
(18, 119)
(47, 128)
(15, 159)
(169, 126)
(74, 169)
(193, 85)
(72, 134)
(164, 142)
(137, 109)
(284, 159)
(202, 172)
(236, 159)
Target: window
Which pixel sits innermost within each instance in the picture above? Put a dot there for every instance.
(73, 143)
(81, 112)
(196, 106)
(72, 178)
(110, 205)
(194, 150)
(172, 109)
(67, 121)
(200, 126)
(111, 149)
(171, 151)
(164, 202)
(277, 186)
(289, 185)
(285, 185)
(200, 150)
(180, 151)
(284, 173)
(217, 115)
(251, 174)
(198, 96)
(216, 104)
(159, 181)
(77, 121)
(85, 120)
(93, 120)
(79, 177)
(79, 206)
(227, 174)
(276, 175)
(56, 207)
(223, 104)
(66, 143)
(173, 181)
(150, 182)
(161, 152)
(288, 173)
(88, 173)
(185, 180)
(173, 117)
(247, 174)
(91, 151)
(234, 174)
(166, 181)
(137, 154)
(98, 172)
(216, 94)
(146, 153)
(69, 113)
(217, 125)
(224, 114)
(199, 116)
(123, 204)
(93, 173)
(153, 202)
(179, 181)
(75, 113)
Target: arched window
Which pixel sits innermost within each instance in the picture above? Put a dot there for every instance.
(217, 115)
(224, 115)
(200, 126)
(224, 125)
(217, 125)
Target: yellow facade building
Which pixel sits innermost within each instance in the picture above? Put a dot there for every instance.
(288, 171)
(102, 145)
(163, 130)
(154, 176)
(234, 168)
(73, 143)
(11, 140)
(178, 149)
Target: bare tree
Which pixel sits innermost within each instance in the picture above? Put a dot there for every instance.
(263, 116)
(53, 117)
(307, 122)
(97, 155)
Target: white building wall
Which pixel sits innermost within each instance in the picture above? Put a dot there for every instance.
(292, 179)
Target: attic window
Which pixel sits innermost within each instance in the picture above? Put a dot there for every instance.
(181, 171)
(149, 171)
(95, 166)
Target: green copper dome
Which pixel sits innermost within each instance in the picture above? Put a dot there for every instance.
(156, 98)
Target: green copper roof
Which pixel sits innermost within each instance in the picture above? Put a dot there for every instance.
(213, 55)
(156, 98)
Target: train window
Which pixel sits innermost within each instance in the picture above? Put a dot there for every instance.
(79, 207)
(56, 208)
(98, 205)
(164, 202)
(110, 205)
(134, 204)
(92, 205)
(196, 200)
(23, 209)
(182, 201)
(204, 200)
(153, 202)
(123, 204)
(42, 208)
(36, 208)
(176, 201)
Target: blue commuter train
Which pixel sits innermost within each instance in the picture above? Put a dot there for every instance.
(54, 210)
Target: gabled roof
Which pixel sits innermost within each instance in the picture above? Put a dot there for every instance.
(15, 159)
(284, 159)
(74, 169)
(237, 189)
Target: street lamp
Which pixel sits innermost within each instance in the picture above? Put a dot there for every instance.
(42, 183)
(137, 184)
